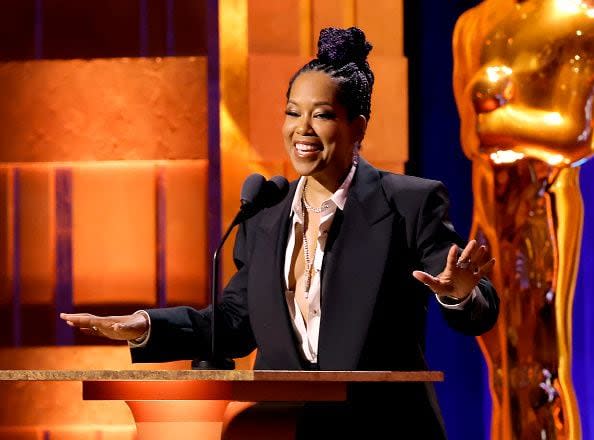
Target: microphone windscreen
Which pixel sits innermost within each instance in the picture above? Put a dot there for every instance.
(277, 189)
(251, 188)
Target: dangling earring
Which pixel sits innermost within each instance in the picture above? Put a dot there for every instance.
(356, 153)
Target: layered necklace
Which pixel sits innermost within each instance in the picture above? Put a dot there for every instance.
(308, 208)
(309, 260)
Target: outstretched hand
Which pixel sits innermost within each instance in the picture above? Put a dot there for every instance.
(461, 274)
(122, 328)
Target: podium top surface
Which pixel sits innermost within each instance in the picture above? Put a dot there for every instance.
(221, 375)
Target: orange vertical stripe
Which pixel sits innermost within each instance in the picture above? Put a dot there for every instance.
(350, 13)
(37, 238)
(306, 28)
(5, 235)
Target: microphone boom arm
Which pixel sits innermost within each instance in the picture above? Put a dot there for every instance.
(216, 362)
(256, 194)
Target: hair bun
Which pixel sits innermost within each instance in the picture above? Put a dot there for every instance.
(338, 47)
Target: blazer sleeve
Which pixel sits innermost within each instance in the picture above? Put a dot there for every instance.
(435, 235)
(185, 333)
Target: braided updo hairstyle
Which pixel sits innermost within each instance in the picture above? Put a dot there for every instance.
(342, 54)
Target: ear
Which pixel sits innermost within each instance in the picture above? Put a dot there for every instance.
(359, 127)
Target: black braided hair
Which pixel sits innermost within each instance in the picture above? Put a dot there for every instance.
(342, 54)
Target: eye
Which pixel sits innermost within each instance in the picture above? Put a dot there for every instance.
(325, 115)
(291, 113)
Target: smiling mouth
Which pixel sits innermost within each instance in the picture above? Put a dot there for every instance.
(303, 148)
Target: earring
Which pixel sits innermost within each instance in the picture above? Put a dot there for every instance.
(356, 153)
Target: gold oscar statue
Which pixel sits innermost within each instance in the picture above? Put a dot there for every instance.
(523, 82)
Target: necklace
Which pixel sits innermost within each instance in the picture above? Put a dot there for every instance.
(308, 259)
(307, 206)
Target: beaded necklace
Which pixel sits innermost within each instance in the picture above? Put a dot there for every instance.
(306, 253)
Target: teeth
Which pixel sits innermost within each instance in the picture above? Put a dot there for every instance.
(305, 148)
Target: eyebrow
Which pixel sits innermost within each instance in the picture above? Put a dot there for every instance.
(290, 101)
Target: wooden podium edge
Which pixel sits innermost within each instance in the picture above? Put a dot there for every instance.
(221, 375)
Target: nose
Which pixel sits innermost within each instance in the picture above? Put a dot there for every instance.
(304, 126)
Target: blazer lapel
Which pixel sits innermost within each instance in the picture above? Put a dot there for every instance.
(269, 316)
(354, 260)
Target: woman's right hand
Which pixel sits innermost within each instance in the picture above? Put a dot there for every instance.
(122, 328)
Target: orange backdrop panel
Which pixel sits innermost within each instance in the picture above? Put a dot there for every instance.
(383, 24)
(186, 191)
(331, 13)
(267, 98)
(37, 224)
(114, 233)
(386, 141)
(273, 28)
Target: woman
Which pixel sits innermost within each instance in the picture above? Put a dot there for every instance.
(345, 247)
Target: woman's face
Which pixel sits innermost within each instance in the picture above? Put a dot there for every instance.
(317, 132)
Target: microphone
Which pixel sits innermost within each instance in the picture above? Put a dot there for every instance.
(274, 191)
(251, 188)
(257, 193)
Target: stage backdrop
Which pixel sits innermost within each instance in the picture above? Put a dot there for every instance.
(126, 130)
(94, 120)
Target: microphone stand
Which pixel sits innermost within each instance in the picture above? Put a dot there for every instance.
(256, 194)
(215, 361)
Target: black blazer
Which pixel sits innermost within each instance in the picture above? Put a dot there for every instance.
(373, 310)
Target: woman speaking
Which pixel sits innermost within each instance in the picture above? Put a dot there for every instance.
(338, 274)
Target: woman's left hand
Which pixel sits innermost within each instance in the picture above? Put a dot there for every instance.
(461, 274)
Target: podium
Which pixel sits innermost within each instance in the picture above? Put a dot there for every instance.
(197, 404)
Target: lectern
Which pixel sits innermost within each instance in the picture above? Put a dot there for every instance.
(193, 403)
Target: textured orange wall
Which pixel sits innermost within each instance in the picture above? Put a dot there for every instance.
(105, 109)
